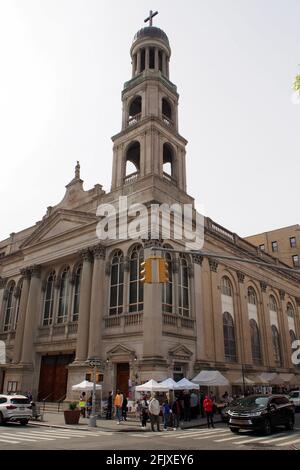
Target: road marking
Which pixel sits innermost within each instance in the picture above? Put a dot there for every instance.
(211, 436)
(36, 437)
(262, 439)
(274, 438)
(289, 442)
(9, 441)
(189, 434)
(11, 436)
(229, 438)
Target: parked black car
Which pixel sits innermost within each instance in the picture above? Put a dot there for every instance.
(261, 413)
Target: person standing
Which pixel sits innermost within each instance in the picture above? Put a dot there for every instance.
(118, 402)
(166, 410)
(176, 411)
(154, 409)
(124, 408)
(194, 405)
(144, 406)
(82, 403)
(208, 406)
(109, 406)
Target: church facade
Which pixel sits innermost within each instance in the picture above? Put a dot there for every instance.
(67, 297)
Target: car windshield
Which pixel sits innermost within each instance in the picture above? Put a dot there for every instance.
(294, 394)
(20, 401)
(254, 402)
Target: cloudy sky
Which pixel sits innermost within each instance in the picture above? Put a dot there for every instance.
(62, 68)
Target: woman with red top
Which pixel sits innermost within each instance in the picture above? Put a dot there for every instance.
(208, 406)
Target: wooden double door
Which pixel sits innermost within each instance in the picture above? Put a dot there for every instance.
(123, 377)
(54, 377)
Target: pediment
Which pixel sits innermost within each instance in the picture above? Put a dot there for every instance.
(60, 222)
(120, 350)
(180, 351)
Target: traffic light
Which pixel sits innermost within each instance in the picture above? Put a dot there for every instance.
(146, 271)
(163, 270)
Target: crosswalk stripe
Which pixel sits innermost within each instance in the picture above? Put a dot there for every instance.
(185, 434)
(229, 438)
(9, 441)
(211, 436)
(20, 438)
(262, 439)
(63, 433)
(289, 442)
(275, 438)
(35, 437)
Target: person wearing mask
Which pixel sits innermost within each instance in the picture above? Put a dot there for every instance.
(208, 406)
(154, 410)
(176, 411)
(109, 406)
(118, 402)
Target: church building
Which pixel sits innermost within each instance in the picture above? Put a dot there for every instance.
(67, 297)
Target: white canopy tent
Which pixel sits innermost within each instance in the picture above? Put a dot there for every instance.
(170, 383)
(211, 378)
(185, 384)
(86, 385)
(151, 386)
(272, 378)
(242, 381)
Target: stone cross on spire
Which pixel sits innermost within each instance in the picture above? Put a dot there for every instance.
(150, 17)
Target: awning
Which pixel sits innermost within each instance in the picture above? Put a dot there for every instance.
(170, 384)
(185, 384)
(86, 385)
(243, 380)
(151, 386)
(287, 378)
(267, 377)
(211, 378)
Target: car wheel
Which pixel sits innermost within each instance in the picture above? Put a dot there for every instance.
(290, 424)
(267, 427)
(1, 419)
(23, 422)
(234, 430)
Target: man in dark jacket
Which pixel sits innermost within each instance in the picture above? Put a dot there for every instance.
(176, 412)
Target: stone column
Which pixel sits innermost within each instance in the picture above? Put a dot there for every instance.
(216, 311)
(126, 284)
(32, 312)
(284, 332)
(147, 60)
(198, 308)
(84, 307)
(156, 61)
(153, 354)
(164, 63)
(267, 342)
(243, 336)
(97, 303)
(167, 66)
(139, 61)
(22, 316)
(209, 349)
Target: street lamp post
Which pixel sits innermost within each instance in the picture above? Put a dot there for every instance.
(94, 363)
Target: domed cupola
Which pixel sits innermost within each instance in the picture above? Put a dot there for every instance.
(150, 50)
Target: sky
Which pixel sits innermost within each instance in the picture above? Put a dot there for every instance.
(63, 64)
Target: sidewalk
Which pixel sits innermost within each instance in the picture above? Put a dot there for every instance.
(56, 420)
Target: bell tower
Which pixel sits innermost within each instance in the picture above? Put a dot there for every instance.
(149, 144)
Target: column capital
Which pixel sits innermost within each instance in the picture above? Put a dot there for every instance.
(282, 294)
(35, 270)
(98, 251)
(85, 255)
(3, 282)
(213, 265)
(240, 276)
(197, 259)
(25, 272)
(148, 243)
(263, 286)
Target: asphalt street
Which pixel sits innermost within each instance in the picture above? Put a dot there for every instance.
(31, 437)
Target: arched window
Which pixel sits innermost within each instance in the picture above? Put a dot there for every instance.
(48, 300)
(168, 160)
(226, 287)
(116, 283)
(63, 301)
(9, 308)
(183, 288)
(136, 288)
(133, 159)
(76, 300)
(290, 310)
(229, 337)
(273, 304)
(18, 300)
(255, 342)
(276, 346)
(252, 299)
(135, 110)
(168, 287)
(167, 112)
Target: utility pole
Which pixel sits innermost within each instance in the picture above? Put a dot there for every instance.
(94, 363)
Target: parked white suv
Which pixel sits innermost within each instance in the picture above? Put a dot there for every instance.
(15, 408)
(294, 397)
